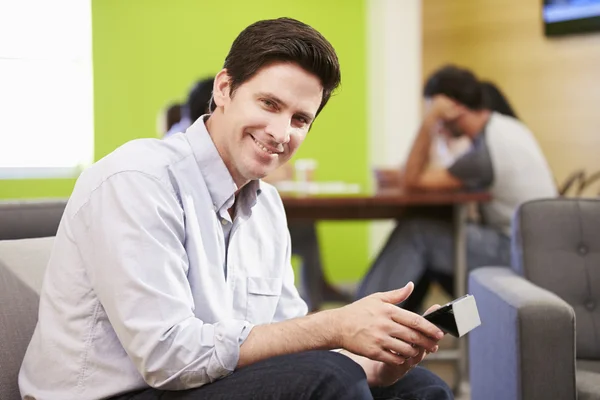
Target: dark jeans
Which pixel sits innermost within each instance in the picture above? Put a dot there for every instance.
(318, 375)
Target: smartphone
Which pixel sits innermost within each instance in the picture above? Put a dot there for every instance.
(456, 317)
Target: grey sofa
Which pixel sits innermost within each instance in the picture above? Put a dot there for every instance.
(22, 266)
(20, 219)
(540, 333)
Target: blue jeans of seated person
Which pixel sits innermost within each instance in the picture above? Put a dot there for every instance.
(312, 375)
(422, 249)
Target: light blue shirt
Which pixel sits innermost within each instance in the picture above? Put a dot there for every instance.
(142, 289)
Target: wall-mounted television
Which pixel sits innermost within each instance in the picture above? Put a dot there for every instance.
(563, 17)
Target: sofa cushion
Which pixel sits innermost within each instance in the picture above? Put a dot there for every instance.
(588, 380)
(22, 265)
(589, 365)
(27, 259)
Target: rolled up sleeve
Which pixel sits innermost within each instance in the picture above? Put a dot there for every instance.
(131, 237)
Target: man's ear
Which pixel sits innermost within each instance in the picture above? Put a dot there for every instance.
(222, 88)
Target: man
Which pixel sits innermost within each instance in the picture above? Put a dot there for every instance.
(170, 275)
(315, 289)
(504, 158)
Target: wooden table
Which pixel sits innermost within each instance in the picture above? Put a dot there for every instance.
(394, 204)
(387, 204)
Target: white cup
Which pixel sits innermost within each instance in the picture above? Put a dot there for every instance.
(304, 173)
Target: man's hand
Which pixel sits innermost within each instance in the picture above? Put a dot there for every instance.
(444, 108)
(441, 113)
(372, 331)
(384, 374)
(374, 327)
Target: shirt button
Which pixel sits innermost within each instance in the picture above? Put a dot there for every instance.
(224, 221)
(219, 336)
(590, 305)
(582, 249)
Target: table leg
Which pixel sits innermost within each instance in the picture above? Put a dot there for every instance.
(460, 282)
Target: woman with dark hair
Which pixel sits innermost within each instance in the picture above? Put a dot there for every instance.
(495, 100)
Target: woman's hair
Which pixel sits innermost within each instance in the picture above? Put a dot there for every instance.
(495, 100)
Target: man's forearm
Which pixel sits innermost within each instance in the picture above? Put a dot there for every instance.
(418, 157)
(294, 336)
(313, 332)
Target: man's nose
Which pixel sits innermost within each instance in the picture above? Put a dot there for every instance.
(279, 130)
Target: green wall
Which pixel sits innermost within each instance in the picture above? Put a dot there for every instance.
(35, 188)
(147, 53)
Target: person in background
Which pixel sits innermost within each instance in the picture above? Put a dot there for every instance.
(197, 104)
(504, 159)
(170, 276)
(445, 149)
(168, 117)
(496, 101)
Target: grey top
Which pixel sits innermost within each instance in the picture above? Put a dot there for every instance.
(474, 168)
(506, 160)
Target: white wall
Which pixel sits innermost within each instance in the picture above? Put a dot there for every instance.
(394, 87)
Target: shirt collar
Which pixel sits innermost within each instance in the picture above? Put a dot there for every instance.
(219, 182)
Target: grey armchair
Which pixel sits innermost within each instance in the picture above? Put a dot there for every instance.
(540, 333)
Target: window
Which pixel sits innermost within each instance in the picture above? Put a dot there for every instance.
(46, 88)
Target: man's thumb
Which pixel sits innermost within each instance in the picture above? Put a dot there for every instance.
(398, 295)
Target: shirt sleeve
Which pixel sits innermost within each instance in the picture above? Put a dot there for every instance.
(131, 238)
(474, 168)
(290, 304)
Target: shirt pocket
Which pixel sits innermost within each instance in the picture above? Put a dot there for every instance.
(263, 296)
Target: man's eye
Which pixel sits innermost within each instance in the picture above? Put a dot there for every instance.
(268, 103)
(302, 120)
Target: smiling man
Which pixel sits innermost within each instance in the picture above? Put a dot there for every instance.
(170, 275)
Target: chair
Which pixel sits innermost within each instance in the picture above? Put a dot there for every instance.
(540, 333)
(22, 266)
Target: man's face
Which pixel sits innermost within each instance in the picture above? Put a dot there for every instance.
(266, 119)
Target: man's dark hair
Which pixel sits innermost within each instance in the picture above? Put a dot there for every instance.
(287, 40)
(199, 98)
(458, 84)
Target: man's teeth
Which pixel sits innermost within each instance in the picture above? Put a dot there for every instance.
(262, 147)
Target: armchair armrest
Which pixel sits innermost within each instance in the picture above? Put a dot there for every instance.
(525, 346)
